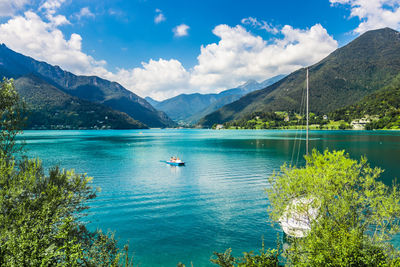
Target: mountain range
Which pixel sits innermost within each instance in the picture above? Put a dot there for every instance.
(91, 89)
(347, 75)
(51, 108)
(59, 99)
(187, 109)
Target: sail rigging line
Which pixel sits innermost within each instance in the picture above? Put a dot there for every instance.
(307, 116)
(294, 222)
(302, 108)
(299, 130)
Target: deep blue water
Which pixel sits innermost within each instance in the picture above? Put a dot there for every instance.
(217, 201)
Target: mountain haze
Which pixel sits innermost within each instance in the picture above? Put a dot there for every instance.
(344, 77)
(189, 108)
(90, 88)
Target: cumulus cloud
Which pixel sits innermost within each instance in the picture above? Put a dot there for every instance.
(49, 8)
(181, 30)
(159, 16)
(157, 78)
(373, 14)
(260, 24)
(30, 35)
(236, 58)
(9, 7)
(240, 55)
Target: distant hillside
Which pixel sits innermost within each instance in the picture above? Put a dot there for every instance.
(90, 88)
(189, 108)
(347, 75)
(51, 108)
(383, 104)
(182, 107)
(151, 101)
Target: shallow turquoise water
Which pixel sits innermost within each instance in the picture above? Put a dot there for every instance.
(183, 214)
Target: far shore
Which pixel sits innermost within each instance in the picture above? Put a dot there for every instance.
(188, 128)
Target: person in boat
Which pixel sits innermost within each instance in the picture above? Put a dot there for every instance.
(178, 160)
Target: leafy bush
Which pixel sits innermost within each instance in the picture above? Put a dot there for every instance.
(40, 214)
(357, 214)
(265, 258)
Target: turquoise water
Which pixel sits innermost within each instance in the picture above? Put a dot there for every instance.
(217, 201)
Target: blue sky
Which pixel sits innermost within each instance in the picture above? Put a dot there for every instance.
(134, 37)
(164, 48)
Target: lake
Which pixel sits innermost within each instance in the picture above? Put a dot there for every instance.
(217, 201)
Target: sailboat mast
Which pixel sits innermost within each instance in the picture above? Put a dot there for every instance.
(307, 117)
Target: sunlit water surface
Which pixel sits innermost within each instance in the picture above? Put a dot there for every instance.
(217, 201)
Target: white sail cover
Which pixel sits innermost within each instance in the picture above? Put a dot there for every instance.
(298, 216)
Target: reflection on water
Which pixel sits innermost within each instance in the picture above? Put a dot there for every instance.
(171, 214)
(175, 169)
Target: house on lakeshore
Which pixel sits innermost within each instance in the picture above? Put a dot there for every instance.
(286, 119)
(360, 123)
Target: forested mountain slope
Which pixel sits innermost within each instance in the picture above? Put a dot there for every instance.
(51, 108)
(350, 73)
(90, 88)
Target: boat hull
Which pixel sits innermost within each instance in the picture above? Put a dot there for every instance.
(175, 163)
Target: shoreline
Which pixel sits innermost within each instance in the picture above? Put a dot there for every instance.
(311, 129)
(134, 129)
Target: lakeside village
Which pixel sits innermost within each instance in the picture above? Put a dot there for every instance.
(286, 120)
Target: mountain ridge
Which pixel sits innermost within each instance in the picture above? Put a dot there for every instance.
(344, 77)
(189, 108)
(51, 108)
(90, 88)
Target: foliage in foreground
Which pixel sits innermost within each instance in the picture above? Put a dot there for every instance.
(39, 214)
(357, 214)
(12, 120)
(39, 219)
(265, 258)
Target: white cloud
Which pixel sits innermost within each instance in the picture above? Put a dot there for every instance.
(181, 30)
(159, 16)
(236, 58)
(160, 79)
(9, 7)
(50, 8)
(240, 55)
(84, 12)
(373, 14)
(58, 20)
(259, 24)
(30, 35)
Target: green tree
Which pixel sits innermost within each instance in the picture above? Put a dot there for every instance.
(357, 214)
(12, 116)
(40, 214)
(343, 126)
(265, 258)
